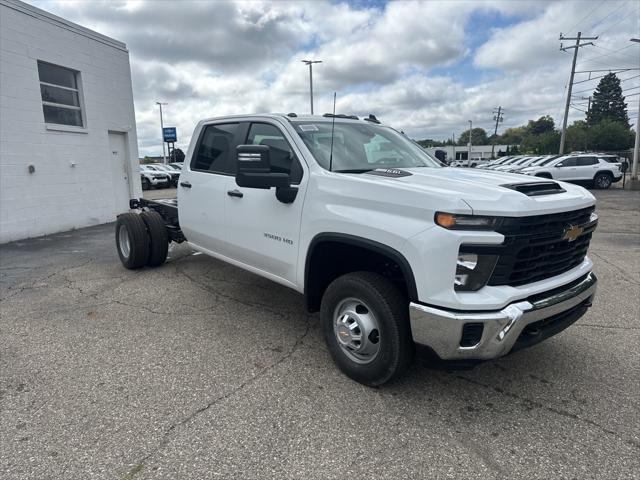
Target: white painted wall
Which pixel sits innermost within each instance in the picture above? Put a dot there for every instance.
(60, 196)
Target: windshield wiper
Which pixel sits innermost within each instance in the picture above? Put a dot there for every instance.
(355, 170)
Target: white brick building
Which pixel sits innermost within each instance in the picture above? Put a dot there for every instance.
(68, 145)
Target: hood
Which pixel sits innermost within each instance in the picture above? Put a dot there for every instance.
(490, 192)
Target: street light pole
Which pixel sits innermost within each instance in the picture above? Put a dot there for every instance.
(164, 156)
(310, 63)
(469, 153)
(634, 168)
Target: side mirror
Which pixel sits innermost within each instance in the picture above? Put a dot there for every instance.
(254, 169)
(558, 165)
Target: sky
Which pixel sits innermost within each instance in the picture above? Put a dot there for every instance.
(424, 67)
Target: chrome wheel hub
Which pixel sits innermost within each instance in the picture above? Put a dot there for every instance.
(356, 330)
(123, 241)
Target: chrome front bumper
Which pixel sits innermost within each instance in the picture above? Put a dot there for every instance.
(441, 330)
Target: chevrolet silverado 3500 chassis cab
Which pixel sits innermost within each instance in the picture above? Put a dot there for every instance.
(393, 249)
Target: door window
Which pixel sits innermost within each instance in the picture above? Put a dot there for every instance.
(585, 161)
(213, 149)
(283, 160)
(568, 162)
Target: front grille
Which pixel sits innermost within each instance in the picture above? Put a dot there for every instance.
(534, 249)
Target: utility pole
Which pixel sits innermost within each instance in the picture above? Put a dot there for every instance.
(634, 168)
(497, 116)
(469, 144)
(586, 137)
(570, 86)
(453, 146)
(310, 63)
(164, 155)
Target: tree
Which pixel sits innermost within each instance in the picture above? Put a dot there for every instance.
(608, 102)
(176, 155)
(608, 135)
(540, 126)
(478, 137)
(542, 144)
(512, 136)
(577, 136)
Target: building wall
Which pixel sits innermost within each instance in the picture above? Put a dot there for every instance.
(73, 182)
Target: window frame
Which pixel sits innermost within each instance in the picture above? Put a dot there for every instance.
(559, 164)
(594, 161)
(234, 143)
(78, 90)
(250, 123)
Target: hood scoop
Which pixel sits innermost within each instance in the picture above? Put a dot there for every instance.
(534, 189)
(390, 172)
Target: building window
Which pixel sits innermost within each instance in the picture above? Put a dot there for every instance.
(60, 92)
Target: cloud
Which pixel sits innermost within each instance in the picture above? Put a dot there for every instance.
(424, 67)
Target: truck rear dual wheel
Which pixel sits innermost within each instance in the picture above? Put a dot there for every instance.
(141, 239)
(365, 319)
(158, 238)
(132, 240)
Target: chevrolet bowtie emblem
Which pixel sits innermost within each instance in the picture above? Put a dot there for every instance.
(571, 233)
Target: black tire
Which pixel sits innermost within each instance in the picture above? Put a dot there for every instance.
(602, 180)
(544, 175)
(158, 238)
(146, 185)
(391, 310)
(133, 249)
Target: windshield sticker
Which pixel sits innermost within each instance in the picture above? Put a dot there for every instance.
(308, 128)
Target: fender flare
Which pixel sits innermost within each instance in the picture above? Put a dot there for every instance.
(367, 244)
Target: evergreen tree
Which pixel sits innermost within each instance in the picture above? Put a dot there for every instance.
(608, 102)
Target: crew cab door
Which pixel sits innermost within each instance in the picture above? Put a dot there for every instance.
(264, 231)
(202, 188)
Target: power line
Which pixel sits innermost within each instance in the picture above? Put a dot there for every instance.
(624, 17)
(622, 5)
(587, 15)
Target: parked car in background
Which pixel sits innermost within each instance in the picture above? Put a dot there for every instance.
(497, 161)
(172, 172)
(150, 177)
(176, 166)
(502, 164)
(588, 168)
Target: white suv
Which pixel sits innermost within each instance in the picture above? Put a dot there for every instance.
(591, 168)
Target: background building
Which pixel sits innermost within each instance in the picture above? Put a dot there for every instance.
(462, 152)
(68, 145)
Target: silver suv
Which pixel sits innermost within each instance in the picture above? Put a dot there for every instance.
(591, 168)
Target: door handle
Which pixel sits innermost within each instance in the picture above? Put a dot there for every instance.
(185, 184)
(235, 193)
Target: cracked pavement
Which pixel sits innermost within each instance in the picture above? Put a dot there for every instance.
(200, 370)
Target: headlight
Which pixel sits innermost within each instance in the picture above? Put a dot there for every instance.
(473, 271)
(452, 221)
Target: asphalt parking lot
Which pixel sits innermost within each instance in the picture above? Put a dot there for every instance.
(200, 370)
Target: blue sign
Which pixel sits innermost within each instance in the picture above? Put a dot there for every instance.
(169, 134)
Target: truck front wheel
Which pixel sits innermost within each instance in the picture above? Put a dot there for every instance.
(365, 319)
(132, 240)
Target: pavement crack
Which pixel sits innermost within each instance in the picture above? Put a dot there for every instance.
(166, 436)
(558, 411)
(625, 275)
(612, 327)
(207, 288)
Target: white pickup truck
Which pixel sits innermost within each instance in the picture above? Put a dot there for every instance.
(394, 250)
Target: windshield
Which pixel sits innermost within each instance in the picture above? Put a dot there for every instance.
(361, 147)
